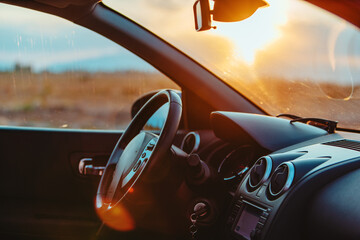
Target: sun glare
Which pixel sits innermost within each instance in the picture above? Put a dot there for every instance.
(256, 32)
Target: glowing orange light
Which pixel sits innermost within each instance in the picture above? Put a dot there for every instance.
(257, 32)
(131, 190)
(116, 217)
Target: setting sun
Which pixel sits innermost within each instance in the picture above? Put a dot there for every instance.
(256, 32)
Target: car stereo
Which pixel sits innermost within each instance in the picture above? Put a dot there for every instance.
(248, 220)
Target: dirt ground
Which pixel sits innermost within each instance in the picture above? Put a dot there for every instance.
(74, 99)
(103, 100)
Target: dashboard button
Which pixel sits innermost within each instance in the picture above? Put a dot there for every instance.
(262, 220)
(259, 226)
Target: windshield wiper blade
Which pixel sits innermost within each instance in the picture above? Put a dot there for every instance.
(288, 116)
(327, 125)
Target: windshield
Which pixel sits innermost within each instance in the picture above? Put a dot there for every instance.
(290, 57)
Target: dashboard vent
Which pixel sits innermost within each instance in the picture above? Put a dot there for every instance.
(352, 145)
(281, 179)
(191, 142)
(260, 172)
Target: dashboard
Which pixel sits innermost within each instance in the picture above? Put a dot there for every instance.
(284, 180)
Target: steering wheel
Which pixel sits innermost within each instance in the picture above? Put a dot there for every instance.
(136, 160)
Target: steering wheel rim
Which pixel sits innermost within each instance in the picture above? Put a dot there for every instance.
(137, 152)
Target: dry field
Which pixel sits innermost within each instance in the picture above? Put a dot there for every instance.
(103, 100)
(74, 99)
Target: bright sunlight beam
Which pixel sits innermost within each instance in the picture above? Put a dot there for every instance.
(256, 32)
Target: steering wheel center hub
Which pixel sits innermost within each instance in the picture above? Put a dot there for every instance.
(129, 176)
(130, 165)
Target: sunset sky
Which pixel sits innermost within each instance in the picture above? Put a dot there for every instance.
(289, 39)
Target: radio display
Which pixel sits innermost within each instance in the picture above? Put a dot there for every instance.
(247, 221)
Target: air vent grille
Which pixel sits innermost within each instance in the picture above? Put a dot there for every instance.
(260, 172)
(191, 142)
(281, 179)
(348, 144)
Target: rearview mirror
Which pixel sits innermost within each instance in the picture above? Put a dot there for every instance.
(202, 15)
(236, 10)
(224, 11)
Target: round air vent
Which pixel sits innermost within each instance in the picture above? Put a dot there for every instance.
(281, 179)
(260, 172)
(191, 142)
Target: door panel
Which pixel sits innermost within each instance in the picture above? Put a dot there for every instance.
(42, 195)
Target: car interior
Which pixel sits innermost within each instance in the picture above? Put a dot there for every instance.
(218, 167)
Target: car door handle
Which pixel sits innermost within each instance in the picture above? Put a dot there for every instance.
(87, 167)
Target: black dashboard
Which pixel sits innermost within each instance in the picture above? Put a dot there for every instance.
(286, 180)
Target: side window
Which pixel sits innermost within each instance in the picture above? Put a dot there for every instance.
(56, 74)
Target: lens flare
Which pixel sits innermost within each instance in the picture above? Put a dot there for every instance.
(116, 217)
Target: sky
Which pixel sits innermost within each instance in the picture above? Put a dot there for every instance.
(289, 39)
(53, 44)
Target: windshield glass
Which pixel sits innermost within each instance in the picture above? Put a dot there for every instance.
(290, 57)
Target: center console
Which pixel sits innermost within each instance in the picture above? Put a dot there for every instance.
(247, 219)
(268, 183)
